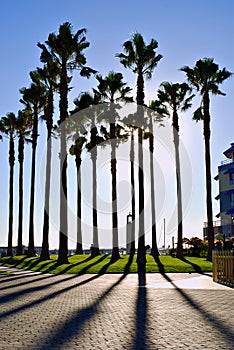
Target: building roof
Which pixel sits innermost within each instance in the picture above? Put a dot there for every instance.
(230, 151)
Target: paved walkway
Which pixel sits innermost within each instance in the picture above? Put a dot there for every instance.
(175, 311)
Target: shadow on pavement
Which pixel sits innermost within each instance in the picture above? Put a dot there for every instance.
(29, 305)
(140, 338)
(77, 320)
(41, 277)
(224, 331)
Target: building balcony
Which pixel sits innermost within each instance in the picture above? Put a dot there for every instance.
(226, 161)
(216, 223)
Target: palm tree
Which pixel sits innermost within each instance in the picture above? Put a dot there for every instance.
(175, 96)
(76, 150)
(206, 77)
(155, 106)
(47, 76)
(141, 59)
(8, 129)
(33, 98)
(112, 89)
(84, 101)
(66, 50)
(23, 129)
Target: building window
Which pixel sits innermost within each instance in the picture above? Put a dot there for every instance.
(231, 176)
(232, 200)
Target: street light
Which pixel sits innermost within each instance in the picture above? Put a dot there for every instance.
(129, 218)
(129, 233)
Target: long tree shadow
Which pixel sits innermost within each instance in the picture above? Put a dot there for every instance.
(20, 293)
(224, 330)
(13, 263)
(129, 263)
(140, 338)
(77, 320)
(88, 258)
(85, 268)
(195, 266)
(49, 296)
(20, 283)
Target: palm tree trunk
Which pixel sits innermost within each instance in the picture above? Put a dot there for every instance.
(95, 247)
(31, 248)
(20, 216)
(132, 155)
(179, 250)
(209, 209)
(63, 105)
(45, 255)
(115, 250)
(154, 249)
(79, 248)
(11, 185)
(63, 241)
(45, 240)
(141, 258)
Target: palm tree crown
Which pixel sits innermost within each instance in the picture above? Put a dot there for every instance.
(141, 59)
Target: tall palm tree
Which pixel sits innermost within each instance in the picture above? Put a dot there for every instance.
(76, 150)
(206, 77)
(90, 118)
(66, 50)
(156, 112)
(83, 101)
(33, 98)
(175, 96)
(131, 125)
(23, 129)
(112, 89)
(47, 76)
(141, 59)
(8, 129)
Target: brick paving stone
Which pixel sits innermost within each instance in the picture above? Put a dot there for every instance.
(41, 312)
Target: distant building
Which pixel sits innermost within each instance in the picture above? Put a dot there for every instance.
(225, 176)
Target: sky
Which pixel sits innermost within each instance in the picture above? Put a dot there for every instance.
(185, 30)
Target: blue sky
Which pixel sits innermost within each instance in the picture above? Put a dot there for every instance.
(185, 30)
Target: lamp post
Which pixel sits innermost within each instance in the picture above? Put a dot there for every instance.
(128, 233)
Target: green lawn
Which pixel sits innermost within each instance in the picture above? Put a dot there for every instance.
(80, 264)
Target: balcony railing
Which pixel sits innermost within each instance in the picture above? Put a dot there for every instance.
(215, 223)
(226, 161)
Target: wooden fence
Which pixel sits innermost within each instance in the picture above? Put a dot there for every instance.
(223, 267)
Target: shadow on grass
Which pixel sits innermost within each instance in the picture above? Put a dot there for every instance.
(111, 262)
(129, 263)
(85, 268)
(12, 262)
(159, 263)
(71, 265)
(195, 266)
